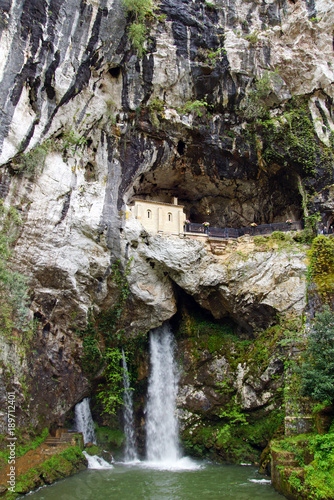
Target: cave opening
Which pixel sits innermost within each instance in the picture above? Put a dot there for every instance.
(230, 199)
(181, 147)
(115, 72)
(193, 320)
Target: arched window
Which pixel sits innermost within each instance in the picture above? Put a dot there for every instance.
(170, 217)
(149, 214)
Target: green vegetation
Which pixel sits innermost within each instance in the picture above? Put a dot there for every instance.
(197, 107)
(58, 466)
(236, 438)
(22, 445)
(321, 266)
(68, 142)
(110, 393)
(103, 340)
(220, 338)
(295, 133)
(137, 35)
(318, 368)
(279, 240)
(140, 10)
(92, 358)
(228, 432)
(313, 477)
(252, 38)
(33, 161)
(101, 331)
(210, 56)
(255, 106)
(14, 312)
(291, 138)
(308, 234)
(112, 439)
(156, 105)
(72, 143)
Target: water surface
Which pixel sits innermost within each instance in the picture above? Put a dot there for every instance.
(140, 482)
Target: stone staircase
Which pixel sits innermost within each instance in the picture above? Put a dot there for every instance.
(63, 437)
(218, 247)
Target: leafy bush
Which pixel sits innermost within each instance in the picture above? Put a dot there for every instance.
(254, 105)
(137, 29)
(33, 161)
(138, 7)
(198, 107)
(137, 35)
(318, 368)
(279, 235)
(321, 267)
(110, 393)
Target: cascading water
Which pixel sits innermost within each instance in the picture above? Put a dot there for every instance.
(130, 440)
(84, 421)
(161, 421)
(96, 462)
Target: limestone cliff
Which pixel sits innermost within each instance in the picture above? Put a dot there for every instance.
(229, 108)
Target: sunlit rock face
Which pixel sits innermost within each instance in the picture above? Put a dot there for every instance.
(86, 126)
(241, 282)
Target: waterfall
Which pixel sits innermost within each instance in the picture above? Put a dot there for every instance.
(130, 441)
(161, 421)
(84, 421)
(96, 462)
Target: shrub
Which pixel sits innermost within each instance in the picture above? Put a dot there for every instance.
(318, 370)
(278, 235)
(137, 29)
(321, 267)
(254, 105)
(110, 394)
(137, 35)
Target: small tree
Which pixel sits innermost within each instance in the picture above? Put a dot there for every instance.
(137, 29)
(318, 367)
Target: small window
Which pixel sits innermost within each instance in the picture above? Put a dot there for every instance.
(170, 217)
(149, 214)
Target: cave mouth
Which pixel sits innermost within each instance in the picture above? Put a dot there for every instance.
(181, 146)
(192, 320)
(227, 203)
(114, 72)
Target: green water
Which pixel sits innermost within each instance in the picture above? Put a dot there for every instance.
(135, 482)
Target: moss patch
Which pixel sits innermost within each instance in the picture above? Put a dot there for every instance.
(23, 445)
(58, 466)
(303, 466)
(111, 438)
(221, 428)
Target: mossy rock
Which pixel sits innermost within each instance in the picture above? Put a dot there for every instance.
(57, 467)
(92, 450)
(111, 438)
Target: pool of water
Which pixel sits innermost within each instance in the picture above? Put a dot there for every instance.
(144, 481)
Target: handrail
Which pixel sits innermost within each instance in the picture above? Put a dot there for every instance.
(229, 232)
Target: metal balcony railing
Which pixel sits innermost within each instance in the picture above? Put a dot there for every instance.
(228, 232)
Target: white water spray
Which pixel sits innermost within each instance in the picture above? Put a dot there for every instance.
(161, 421)
(96, 462)
(130, 439)
(84, 421)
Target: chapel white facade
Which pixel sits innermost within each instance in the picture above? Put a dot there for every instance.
(159, 217)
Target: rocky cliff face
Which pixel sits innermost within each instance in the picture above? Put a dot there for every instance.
(230, 109)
